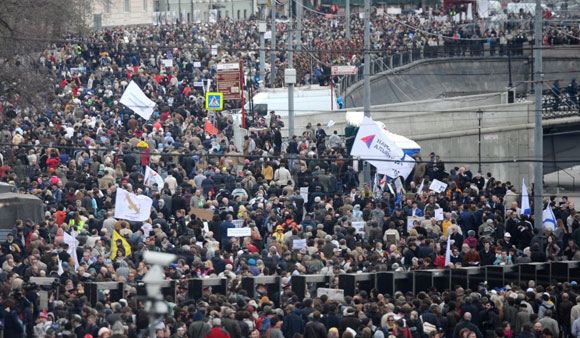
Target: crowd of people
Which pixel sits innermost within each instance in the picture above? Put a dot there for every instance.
(77, 151)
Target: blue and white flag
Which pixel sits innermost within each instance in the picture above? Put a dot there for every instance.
(548, 218)
(373, 145)
(525, 207)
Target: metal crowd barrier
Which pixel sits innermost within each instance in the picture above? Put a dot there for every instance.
(385, 282)
(300, 283)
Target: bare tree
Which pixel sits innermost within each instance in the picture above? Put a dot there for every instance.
(27, 27)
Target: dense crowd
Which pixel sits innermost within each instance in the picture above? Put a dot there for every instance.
(74, 153)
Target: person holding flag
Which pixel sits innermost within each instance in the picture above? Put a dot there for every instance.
(119, 246)
(525, 206)
(548, 218)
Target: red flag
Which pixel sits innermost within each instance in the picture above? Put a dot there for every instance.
(210, 128)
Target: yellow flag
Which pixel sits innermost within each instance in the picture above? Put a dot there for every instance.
(114, 246)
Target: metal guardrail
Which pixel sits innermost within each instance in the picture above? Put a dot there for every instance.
(390, 61)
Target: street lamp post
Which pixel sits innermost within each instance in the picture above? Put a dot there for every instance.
(479, 119)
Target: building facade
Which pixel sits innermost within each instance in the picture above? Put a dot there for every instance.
(105, 13)
(173, 11)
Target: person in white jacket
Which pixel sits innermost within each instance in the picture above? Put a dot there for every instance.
(282, 176)
(576, 328)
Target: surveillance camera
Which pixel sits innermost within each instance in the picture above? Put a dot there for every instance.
(158, 258)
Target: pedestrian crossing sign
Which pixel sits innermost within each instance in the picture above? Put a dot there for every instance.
(214, 101)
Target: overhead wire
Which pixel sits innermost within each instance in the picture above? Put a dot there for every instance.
(464, 160)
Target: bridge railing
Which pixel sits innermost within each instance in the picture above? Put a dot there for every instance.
(388, 61)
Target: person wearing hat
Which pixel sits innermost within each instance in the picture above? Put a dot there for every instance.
(104, 332)
(43, 324)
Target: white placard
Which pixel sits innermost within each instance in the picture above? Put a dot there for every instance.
(238, 223)
(304, 194)
(239, 232)
(167, 62)
(359, 226)
(298, 244)
(333, 294)
(439, 214)
(268, 35)
(214, 50)
(438, 186)
(411, 220)
(196, 64)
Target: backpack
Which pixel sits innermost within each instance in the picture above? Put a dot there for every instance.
(263, 324)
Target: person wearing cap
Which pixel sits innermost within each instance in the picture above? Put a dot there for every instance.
(506, 242)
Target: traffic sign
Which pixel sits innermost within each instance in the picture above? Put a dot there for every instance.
(214, 101)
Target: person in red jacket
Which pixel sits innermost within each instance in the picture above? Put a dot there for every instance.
(216, 330)
(53, 162)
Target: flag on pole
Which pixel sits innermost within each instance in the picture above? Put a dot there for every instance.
(421, 186)
(60, 268)
(525, 207)
(398, 200)
(448, 251)
(115, 245)
(548, 218)
(72, 248)
(132, 207)
(152, 177)
(134, 99)
(374, 145)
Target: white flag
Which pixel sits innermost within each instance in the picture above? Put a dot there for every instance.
(132, 207)
(72, 248)
(60, 268)
(134, 99)
(374, 145)
(421, 186)
(448, 251)
(152, 177)
(548, 218)
(525, 207)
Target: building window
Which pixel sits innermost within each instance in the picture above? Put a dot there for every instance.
(245, 13)
(238, 14)
(127, 6)
(145, 5)
(227, 14)
(108, 6)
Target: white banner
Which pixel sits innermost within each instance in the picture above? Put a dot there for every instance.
(167, 62)
(439, 214)
(134, 99)
(373, 145)
(359, 226)
(72, 248)
(238, 223)
(298, 244)
(304, 194)
(411, 220)
(132, 207)
(239, 232)
(438, 186)
(152, 177)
